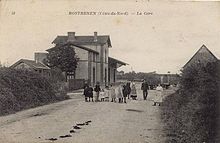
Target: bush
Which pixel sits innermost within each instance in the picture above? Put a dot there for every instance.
(190, 115)
(22, 89)
(8, 102)
(57, 80)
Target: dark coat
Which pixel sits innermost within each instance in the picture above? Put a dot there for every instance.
(88, 92)
(97, 88)
(144, 86)
(128, 86)
(126, 90)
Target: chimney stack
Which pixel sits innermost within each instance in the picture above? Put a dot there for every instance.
(95, 36)
(71, 37)
(40, 57)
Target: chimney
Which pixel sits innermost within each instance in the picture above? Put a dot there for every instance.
(95, 36)
(71, 37)
(39, 57)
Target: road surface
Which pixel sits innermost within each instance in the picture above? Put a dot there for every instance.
(135, 122)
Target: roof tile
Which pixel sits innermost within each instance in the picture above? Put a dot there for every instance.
(102, 39)
(31, 63)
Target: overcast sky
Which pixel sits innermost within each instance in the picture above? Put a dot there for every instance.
(162, 42)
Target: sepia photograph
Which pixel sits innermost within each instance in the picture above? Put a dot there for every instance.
(114, 71)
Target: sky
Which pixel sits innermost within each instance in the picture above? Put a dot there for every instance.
(161, 41)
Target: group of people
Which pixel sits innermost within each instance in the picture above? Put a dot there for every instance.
(120, 92)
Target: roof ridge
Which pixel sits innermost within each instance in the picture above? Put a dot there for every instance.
(102, 39)
(76, 45)
(82, 35)
(31, 63)
(203, 46)
(207, 50)
(27, 59)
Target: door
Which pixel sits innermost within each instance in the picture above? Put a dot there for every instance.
(94, 75)
(105, 76)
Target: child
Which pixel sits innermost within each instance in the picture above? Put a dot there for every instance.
(102, 95)
(90, 93)
(106, 90)
(133, 91)
(86, 88)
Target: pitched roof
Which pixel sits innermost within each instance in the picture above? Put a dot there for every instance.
(202, 49)
(116, 61)
(81, 40)
(71, 43)
(33, 64)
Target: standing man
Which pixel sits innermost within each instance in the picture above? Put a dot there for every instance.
(145, 88)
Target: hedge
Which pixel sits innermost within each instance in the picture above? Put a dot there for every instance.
(22, 89)
(191, 114)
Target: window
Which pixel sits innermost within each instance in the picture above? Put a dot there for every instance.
(94, 57)
(71, 75)
(109, 75)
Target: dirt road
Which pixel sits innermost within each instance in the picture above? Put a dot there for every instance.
(135, 122)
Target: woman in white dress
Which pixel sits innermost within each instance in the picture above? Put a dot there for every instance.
(133, 91)
(159, 95)
(102, 95)
(107, 93)
(118, 92)
(112, 94)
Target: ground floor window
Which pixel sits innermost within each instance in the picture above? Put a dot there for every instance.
(105, 76)
(109, 75)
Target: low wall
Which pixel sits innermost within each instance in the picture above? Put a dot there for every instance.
(75, 84)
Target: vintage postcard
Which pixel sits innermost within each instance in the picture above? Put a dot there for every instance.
(92, 71)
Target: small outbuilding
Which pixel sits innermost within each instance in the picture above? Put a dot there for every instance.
(32, 65)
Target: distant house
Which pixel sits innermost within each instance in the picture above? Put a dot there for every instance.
(168, 79)
(32, 65)
(202, 56)
(94, 64)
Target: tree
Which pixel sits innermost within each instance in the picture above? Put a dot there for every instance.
(63, 57)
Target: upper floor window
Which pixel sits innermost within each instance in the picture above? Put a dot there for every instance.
(94, 57)
(70, 75)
